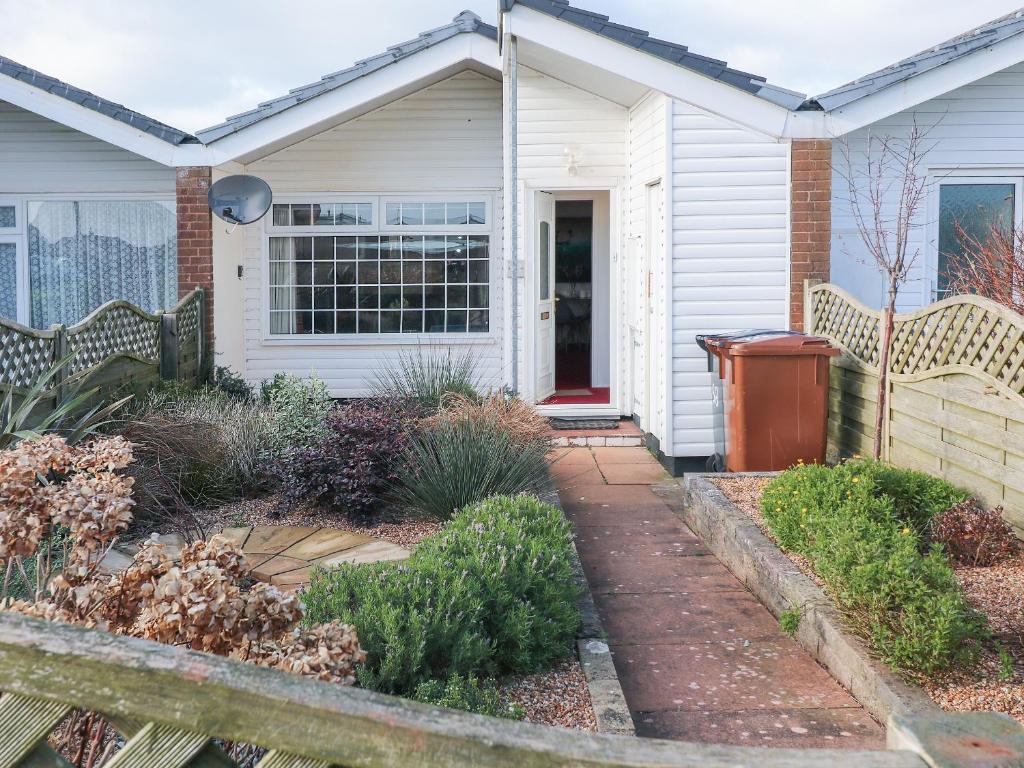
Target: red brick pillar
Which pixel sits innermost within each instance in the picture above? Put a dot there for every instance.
(810, 220)
(195, 238)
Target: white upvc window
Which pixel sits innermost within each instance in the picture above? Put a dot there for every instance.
(379, 266)
(969, 204)
(13, 272)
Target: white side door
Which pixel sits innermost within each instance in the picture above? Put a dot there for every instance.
(544, 231)
(654, 336)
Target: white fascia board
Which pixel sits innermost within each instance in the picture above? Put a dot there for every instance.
(706, 93)
(332, 107)
(918, 89)
(86, 120)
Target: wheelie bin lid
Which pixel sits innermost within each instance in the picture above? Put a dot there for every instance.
(783, 346)
(728, 339)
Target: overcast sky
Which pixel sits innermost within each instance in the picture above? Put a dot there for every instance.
(191, 63)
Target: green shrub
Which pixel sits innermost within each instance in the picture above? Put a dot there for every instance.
(231, 384)
(858, 523)
(298, 409)
(452, 463)
(493, 593)
(423, 379)
(469, 695)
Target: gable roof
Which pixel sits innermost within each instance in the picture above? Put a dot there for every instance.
(466, 22)
(955, 48)
(83, 98)
(674, 53)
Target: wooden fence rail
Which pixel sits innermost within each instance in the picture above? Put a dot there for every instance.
(118, 346)
(956, 390)
(170, 702)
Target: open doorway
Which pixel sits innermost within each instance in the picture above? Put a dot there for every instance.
(581, 282)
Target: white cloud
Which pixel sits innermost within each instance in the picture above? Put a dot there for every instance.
(191, 62)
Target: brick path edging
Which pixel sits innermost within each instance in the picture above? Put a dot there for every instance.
(606, 696)
(780, 585)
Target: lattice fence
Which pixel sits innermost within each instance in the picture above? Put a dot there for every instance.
(956, 389)
(118, 346)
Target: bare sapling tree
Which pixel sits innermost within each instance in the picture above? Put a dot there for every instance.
(887, 184)
(991, 265)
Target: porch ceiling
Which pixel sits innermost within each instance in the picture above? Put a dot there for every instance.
(580, 74)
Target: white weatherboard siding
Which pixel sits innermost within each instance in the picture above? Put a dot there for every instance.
(445, 138)
(976, 130)
(647, 124)
(730, 253)
(39, 156)
(553, 116)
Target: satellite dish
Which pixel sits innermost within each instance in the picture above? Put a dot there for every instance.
(240, 199)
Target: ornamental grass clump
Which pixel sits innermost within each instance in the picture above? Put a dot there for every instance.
(860, 525)
(461, 460)
(494, 593)
(422, 380)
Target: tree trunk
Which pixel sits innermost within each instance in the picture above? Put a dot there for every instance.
(883, 369)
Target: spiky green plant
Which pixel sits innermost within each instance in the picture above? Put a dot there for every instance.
(424, 378)
(25, 416)
(455, 463)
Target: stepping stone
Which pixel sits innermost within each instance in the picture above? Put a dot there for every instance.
(273, 539)
(275, 565)
(236, 535)
(326, 541)
(291, 579)
(374, 552)
(116, 560)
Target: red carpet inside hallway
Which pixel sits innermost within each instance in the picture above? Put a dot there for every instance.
(583, 396)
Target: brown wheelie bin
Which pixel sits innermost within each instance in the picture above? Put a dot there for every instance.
(775, 389)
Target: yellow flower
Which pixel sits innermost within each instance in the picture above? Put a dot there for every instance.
(905, 531)
(855, 479)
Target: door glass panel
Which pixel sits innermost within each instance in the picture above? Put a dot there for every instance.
(8, 281)
(969, 213)
(544, 260)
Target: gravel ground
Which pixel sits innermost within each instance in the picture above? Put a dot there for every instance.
(997, 591)
(558, 697)
(389, 525)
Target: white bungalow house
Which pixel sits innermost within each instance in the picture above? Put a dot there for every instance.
(568, 199)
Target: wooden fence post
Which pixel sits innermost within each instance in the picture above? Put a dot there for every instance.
(169, 346)
(808, 309)
(60, 351)
(201, 373)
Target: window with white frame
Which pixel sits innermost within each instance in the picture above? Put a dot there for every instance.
(971, 211)
(337, 268)
(61, 257)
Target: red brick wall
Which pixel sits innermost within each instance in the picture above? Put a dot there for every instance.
(810, 220)
(195, 238)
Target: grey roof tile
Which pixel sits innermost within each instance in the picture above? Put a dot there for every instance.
(91, 101)
(465, 22)
(995, 31)
(663, 49)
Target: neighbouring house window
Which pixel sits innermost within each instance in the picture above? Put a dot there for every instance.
(8, 217)
(971, 210)
(433, 281)
(84, 253)
(9, 280)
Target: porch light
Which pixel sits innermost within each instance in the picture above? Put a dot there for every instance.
(570, 153)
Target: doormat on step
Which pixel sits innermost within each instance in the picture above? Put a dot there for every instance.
(584, 423)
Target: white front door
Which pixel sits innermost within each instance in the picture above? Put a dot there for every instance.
(544, 208)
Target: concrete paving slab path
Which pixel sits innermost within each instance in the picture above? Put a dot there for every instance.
(699, 658)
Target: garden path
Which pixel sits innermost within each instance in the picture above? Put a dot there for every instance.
(699, 658)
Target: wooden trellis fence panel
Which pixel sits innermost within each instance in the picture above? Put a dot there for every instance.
(956, 390)
(118, 347)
